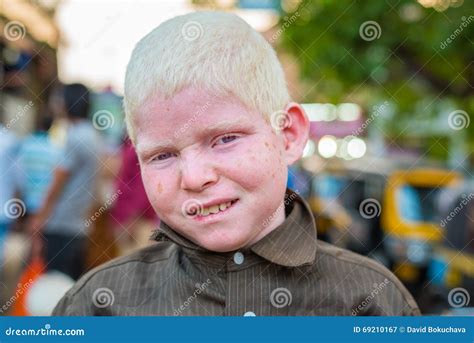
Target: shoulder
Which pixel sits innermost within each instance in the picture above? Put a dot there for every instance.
(150, 257)
(363, 277)
(127, 273)
(356, 262)
(32, 142)
(80, 131)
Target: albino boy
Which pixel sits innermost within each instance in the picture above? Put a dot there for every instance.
(209, 113)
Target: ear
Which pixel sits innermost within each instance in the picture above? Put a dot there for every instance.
(295, 133)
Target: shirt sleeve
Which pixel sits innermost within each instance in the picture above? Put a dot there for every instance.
(73, 304)
(62, 306)
(70, 158)
(389, 298)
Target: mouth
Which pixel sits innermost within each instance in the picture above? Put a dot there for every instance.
(215, 211)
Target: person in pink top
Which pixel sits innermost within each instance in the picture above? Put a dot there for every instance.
(132, 216)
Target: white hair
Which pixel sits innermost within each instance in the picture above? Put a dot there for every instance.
(216, 51)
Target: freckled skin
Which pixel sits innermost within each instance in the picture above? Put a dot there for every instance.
(199, 169)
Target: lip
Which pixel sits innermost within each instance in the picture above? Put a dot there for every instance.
(218, 215)
(218, 201)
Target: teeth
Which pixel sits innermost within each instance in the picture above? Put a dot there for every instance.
(215, 209)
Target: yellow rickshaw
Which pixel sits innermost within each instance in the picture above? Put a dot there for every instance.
(451, 269)
(410, 220)
(338, 193)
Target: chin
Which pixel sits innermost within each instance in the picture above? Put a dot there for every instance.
(224, 245)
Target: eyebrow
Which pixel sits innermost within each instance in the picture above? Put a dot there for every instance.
(222, 126)
(225, 125)
(143, 148)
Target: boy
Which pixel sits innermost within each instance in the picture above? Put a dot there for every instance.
(208, 111)
(60, 220)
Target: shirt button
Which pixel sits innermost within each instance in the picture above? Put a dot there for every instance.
(238, 258)
(249, 314)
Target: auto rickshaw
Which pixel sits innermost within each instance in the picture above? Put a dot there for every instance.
(402, 228)
(451, 269)
(338, 192)
(332, 219)
(410, 220)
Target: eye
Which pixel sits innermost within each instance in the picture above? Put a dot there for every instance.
(163, 156)
(226, 139)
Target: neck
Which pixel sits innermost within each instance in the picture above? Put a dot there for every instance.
(273, 221)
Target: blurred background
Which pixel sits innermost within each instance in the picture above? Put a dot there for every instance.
(387, 85)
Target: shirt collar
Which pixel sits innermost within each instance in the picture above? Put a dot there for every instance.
(291, 244)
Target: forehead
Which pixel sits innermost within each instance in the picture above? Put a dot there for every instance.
(190, 112)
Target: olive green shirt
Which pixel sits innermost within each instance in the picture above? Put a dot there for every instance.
(288, 272)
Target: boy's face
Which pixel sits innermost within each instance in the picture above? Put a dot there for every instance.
(200, 155)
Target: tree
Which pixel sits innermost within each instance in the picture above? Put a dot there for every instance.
(419, 58)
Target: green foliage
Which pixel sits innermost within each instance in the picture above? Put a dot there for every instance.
(410, 62)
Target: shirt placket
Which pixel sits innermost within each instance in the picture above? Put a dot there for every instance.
(240, 298)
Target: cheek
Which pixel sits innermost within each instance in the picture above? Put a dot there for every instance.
(157, 186)
(259, 165)
(272, 164)
(150, 185)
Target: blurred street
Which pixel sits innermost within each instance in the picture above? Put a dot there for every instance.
(388, 87)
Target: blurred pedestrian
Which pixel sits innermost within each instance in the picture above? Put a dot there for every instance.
(69, 199)
(37, 157)
(9, 207)
(132, 216)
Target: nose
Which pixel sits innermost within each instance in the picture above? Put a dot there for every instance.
(197, 173)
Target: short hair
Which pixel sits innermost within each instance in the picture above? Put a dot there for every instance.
(45, 122)
(76, 100)
(215, 51)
